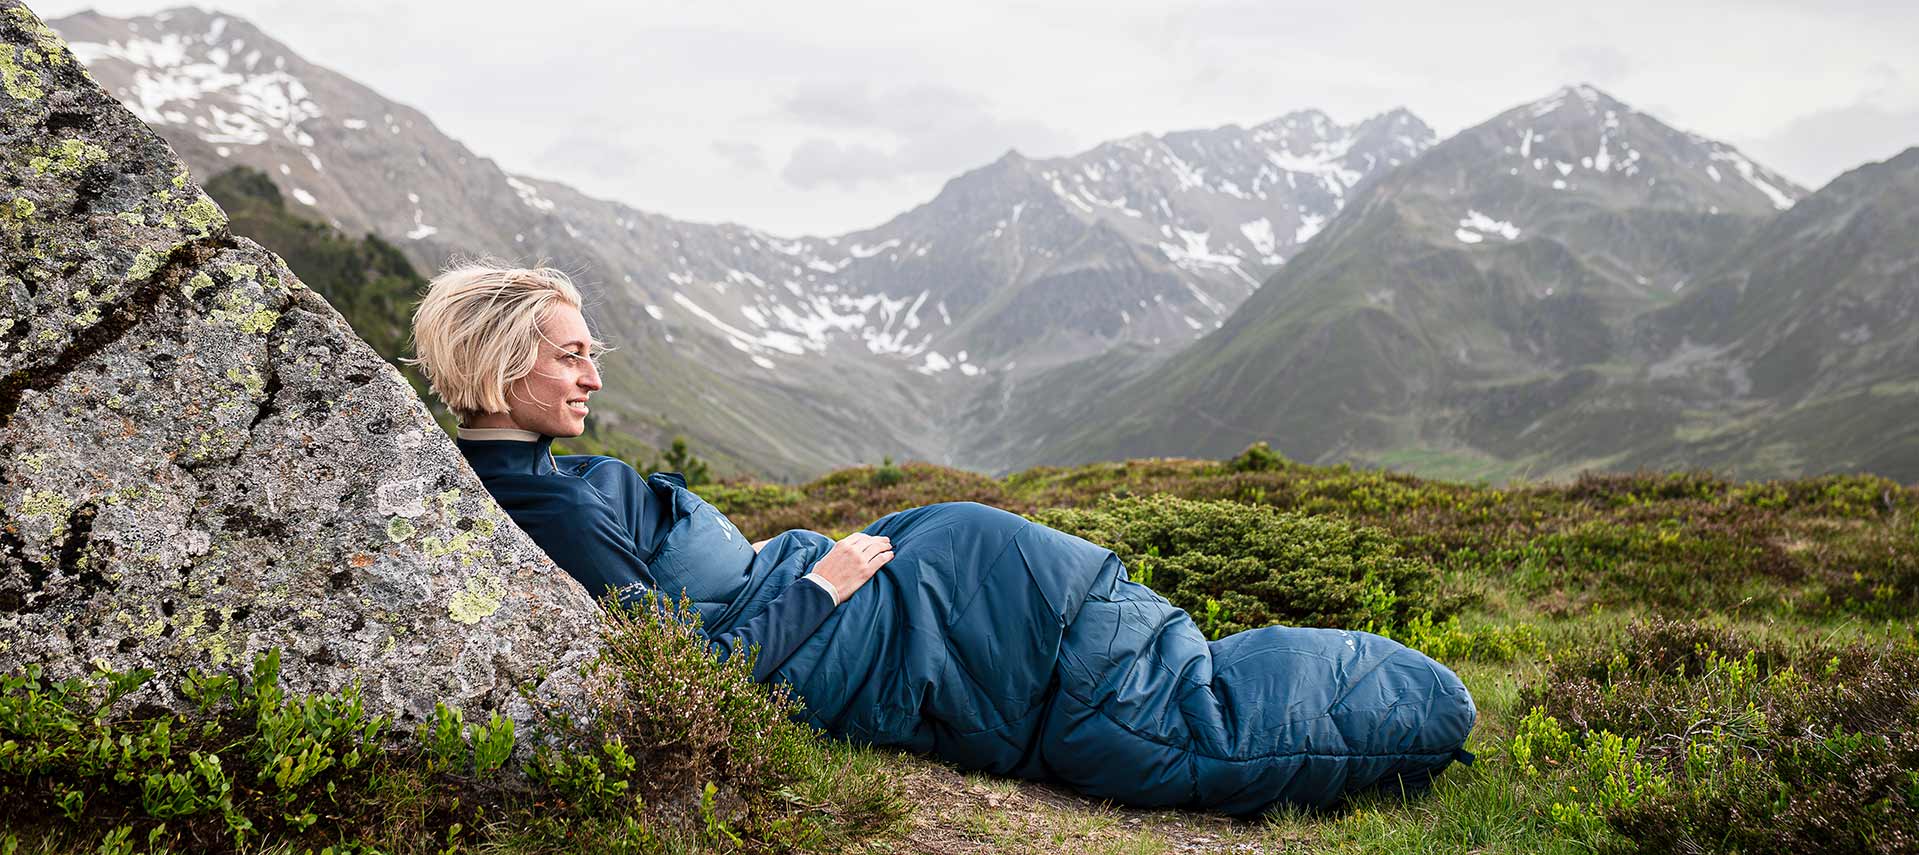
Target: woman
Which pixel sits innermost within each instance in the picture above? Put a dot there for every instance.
(955, 629)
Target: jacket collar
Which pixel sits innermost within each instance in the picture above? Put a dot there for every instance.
(498, 433)
(506, 451)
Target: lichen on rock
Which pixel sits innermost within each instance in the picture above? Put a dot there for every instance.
(193, 446)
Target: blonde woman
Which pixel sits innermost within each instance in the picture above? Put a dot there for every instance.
(956, 628)
(510, 353)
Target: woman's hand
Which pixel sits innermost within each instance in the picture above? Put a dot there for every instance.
(853, 560)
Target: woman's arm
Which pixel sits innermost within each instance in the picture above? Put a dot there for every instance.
(595, 549)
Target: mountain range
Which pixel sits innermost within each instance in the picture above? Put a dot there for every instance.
(1570, 284)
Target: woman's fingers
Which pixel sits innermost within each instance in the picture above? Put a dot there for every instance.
(870, 543)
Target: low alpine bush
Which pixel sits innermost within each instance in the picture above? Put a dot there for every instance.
(1236, 566)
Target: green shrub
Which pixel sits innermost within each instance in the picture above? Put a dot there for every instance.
(1639, 488)
(1256, 565)
(847, 499)
(679, 458)
(1258, 457)
(887, 474)
(746, 499)
(1719, 743)
(668, 750)
(1451, 642)
(249, 763)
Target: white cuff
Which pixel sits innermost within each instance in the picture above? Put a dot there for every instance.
(827, 586)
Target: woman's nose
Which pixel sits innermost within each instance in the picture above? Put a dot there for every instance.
(591, 379)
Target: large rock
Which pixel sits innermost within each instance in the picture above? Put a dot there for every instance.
(199, 461)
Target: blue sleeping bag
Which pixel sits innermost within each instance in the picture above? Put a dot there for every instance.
(1008, 646)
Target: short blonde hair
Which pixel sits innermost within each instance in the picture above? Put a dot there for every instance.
(478, 330)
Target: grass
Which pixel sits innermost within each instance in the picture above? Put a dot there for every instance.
(1662, 662)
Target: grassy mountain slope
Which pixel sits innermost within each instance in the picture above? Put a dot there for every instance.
(374, 286)
(1801, 351)
(1477, 312)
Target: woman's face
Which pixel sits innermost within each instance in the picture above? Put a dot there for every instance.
(552, 399)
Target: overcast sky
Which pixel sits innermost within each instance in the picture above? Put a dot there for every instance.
(824, 117)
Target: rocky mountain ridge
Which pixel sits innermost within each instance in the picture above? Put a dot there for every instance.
(1482, 311)
(1201, 215)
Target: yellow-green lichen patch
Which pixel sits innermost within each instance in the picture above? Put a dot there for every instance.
(248, 315)
(259, 322)
(150, 629)
(207, 443)
(200, 282)
(248, 379)
(43, 35)
(219, 650)
(149, 260)
(204, 216)
(35, 460)
(46, 503)
(242, 271)
(21, 208)
(132, 218)
(482, 597)
(68, 155)
(87, 317)
(399, 529)
(21, 83)
(448, 499)
(434, 547)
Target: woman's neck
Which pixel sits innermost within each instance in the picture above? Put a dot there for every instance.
(486, 433)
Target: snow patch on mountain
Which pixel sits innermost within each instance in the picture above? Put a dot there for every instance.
(1752, 175)
(529, 194)
(177, 76)
(1475, 227)
(1259, 233)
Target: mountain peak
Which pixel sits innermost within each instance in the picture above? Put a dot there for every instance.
(1577, 101)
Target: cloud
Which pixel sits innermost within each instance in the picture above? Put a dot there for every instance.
(903, 131)
(744, 156)
(1816, 147)
(821, 161)
(582, 154)
(1600, 65)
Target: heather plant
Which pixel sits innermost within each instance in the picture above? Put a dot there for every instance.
(848, 499)
(1236, 566)
(663, 723)
(743, 499)
(1522, 589)
(670, 750)
(1691, 737)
